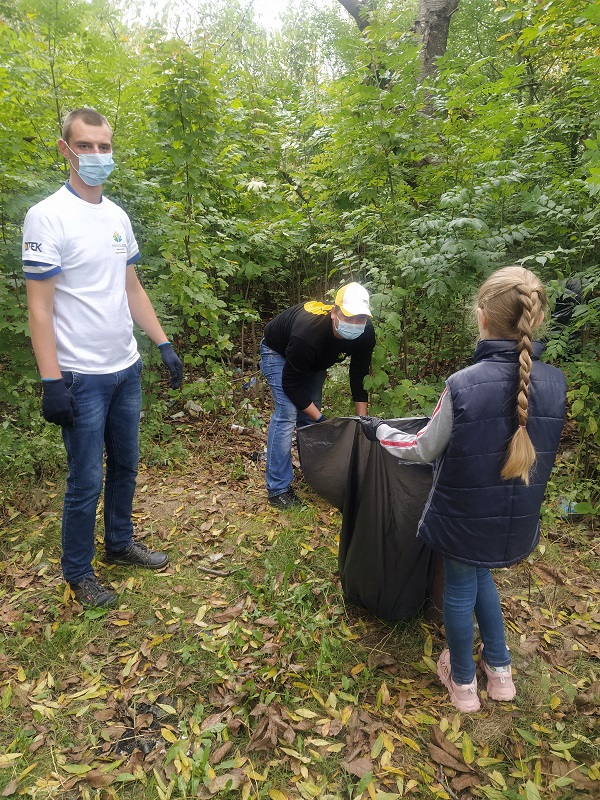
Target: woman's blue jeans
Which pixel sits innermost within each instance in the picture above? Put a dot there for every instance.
(471, 589)
(109, 419)
(285, 418)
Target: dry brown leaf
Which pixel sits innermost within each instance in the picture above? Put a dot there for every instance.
(104, 714)
(442, 757)
(97, 779)
(230, 613)
(441, 740)
(559, 768)
(143, 721)
(268, 622)
(271, 727)
(221, 752)
(358, 766)
(230, 781)
(10, 788)
(462, 782)
(377, 660)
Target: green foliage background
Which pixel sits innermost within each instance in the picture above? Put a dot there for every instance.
(264, 167)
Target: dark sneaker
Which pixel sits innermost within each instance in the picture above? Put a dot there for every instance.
(90, 592)
(138, 555)
(286, 500)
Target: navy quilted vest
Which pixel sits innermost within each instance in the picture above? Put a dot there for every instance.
(472, 515)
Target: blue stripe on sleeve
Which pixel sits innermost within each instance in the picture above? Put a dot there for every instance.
(133, 259)
(41, 276)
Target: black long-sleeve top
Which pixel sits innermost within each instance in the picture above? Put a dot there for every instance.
(303, 335)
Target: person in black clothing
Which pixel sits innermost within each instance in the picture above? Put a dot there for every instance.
(298, 347)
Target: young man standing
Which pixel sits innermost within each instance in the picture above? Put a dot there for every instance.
(83, 295)
(298, 347)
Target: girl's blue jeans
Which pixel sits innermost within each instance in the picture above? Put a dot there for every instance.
(109, 419)
(469, 590)
(285, 418)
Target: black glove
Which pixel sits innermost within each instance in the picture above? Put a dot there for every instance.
(58, 404)
(322, 418)
(172, 363)
(369, 426)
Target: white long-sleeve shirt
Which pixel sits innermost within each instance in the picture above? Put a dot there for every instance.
(426, 445)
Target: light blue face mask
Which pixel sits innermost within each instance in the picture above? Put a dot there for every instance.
(94, 168)
(349, 330)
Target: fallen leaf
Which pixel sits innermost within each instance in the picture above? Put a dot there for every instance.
(10, 788)
(359, 766)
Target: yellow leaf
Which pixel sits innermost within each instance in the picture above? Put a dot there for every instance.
(432, 666)
(7, 758)
(468, 751)
(316, 695)
(356, 669)
(200, 614)
(344, 629)
(255, 776)
(168, 735)
(306, 713)
(444, 724)
(498, 778)
(377, 747)
(21, 675)
(296, 755)
(27, 771)
(119, 622)
(275, 794)
(554, 702)
(428, 646)
(335, 748)
(411, 743)
(167, 708)
(76, 769)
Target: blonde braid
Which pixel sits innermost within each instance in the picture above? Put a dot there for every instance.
(514, 300)
(521, 454)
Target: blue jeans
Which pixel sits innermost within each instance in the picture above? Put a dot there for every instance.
(285, 418)
(472, 589)
(109, 419)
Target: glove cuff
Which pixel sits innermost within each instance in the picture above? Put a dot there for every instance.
(162, 344)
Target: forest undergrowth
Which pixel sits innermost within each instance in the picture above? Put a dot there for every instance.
(241, 672)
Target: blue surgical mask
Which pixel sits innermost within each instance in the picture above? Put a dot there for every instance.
(94, 168)
(349, 330)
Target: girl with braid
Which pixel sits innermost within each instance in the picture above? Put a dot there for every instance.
(493, 437)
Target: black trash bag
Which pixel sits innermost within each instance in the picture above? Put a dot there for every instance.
(383, 566)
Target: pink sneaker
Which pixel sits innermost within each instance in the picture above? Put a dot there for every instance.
(500, 685)
(463, 696)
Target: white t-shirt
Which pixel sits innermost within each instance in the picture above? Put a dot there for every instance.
(88, 247)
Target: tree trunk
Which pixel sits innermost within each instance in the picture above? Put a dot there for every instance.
(360, 10)
(432, 25)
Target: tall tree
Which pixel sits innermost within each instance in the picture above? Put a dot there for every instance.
(433, 25)
(360, 10)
